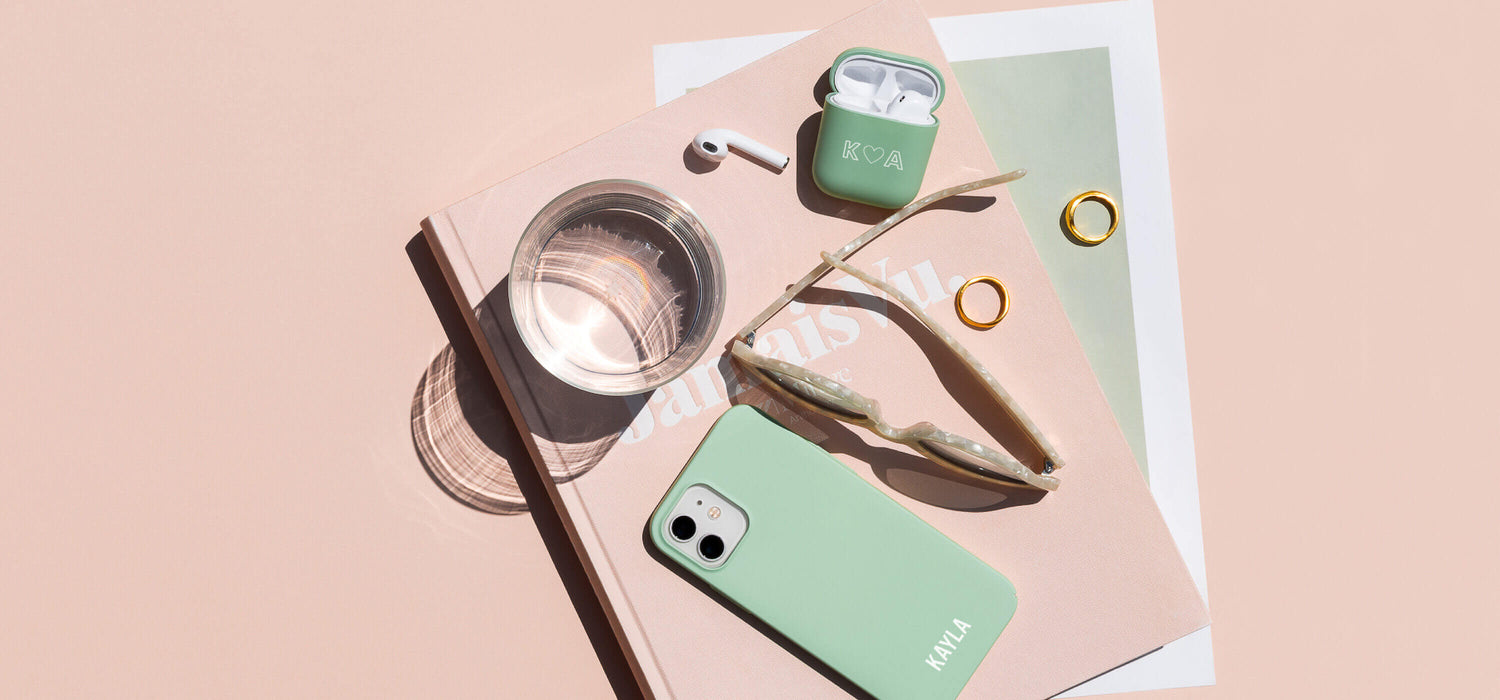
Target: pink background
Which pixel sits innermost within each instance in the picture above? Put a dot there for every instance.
(213, 334)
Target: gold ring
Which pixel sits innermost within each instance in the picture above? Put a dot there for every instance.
(1100, 197)
(958, 302)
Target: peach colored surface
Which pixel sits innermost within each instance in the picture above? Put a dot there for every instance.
(213, 335)
(1099, 578)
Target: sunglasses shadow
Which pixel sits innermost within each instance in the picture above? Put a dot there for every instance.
(954, 374)
(905, 471)
(915, 475)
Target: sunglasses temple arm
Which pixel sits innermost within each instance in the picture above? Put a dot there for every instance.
(853, 246)
(786, 298)
(972, 363)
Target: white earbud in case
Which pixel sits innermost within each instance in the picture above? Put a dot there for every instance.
(912, 107)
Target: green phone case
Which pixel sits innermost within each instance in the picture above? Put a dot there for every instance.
(838, 567)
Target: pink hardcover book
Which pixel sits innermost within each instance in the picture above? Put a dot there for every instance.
(1099, 579)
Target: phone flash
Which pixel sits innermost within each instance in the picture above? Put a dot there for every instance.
(714, 513)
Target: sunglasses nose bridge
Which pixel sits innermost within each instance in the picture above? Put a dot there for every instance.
(876, 422)
(895, 434)
(885, 430)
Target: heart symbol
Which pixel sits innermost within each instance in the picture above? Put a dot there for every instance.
(879, 153)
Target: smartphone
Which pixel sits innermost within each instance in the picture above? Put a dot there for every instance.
(796, 539)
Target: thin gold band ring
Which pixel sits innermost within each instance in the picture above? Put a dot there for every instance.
(1100, 197)
(958, 302)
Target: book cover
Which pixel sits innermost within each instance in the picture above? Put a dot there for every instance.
(1098, 575)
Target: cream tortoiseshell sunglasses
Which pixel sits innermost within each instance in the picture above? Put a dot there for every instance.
(830, 398)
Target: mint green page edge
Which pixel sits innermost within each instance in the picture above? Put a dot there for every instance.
(1053, 114)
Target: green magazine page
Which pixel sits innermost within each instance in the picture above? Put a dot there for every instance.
(1053, 114)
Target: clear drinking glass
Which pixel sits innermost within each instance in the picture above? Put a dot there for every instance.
(616, 287)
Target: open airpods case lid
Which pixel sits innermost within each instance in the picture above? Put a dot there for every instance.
(881, 75)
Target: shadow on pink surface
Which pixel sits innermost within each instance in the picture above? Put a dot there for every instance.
(491, 482)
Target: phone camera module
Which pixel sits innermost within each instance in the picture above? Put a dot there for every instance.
(703, 528)
(711, 547)
(683, 528)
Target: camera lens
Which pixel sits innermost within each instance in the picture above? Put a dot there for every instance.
(711, 547)
(683, 528)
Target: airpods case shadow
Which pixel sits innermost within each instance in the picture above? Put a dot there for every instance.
(878, 128)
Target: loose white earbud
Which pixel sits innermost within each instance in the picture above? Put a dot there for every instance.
(714, 145)
(910, 106)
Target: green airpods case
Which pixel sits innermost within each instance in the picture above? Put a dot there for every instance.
(878, 127)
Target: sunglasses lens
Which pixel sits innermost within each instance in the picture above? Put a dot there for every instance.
(969, 462)
(812, 394)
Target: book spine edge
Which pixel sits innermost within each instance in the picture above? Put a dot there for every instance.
(441, 237)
